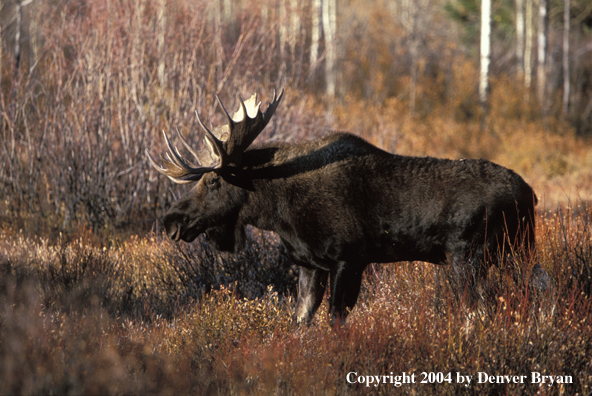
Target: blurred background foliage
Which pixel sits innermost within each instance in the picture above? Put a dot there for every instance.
(86, 87)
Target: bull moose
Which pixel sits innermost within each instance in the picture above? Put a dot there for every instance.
(339, 203)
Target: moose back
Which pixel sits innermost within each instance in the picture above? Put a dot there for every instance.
(339, 203)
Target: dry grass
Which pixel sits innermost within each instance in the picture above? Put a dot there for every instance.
(137, 317)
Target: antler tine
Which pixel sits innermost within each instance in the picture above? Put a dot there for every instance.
(177, 168)
(214, 142)
(205, 156)
(171, 170)
(176, 159)
(157, 167)
(188, 147)
(241, 130)
(231, 122)
(247, 124)
(274, 103)
(243, 108)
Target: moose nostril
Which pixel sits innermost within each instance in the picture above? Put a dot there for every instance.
(175, 233)
(173, 228)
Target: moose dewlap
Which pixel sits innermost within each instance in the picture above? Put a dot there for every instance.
(339, 203)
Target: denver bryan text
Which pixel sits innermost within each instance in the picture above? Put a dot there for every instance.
(535, 378)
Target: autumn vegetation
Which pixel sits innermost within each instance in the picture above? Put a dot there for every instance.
(94, 299)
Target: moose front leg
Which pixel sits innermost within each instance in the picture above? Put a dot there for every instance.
(346, 279)
(311, 288)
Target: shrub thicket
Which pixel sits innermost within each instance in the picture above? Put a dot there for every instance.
(101, 79)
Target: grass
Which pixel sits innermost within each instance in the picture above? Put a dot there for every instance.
(147, 315)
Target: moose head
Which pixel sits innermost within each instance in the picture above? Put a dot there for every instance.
(212, 206)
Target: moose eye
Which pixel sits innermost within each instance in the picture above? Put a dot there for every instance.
(212, 181)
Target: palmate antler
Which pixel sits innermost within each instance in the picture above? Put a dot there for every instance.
(225, 144)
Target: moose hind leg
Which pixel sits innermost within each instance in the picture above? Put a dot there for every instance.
(345, 289)
(311, 288)
(470, 277)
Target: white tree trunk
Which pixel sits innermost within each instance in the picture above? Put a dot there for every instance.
(1, 9)
(316, 35)
(485, 50)
(160, 41)
(295, 13)
(329, 27)
(416, 18)
(264, 12)
(227, 10)
(542, 49)
(410, 10)
(217, 11)
(528, 45)
(33, 41)
(136, 53)
(17, 35)
(520, 37)
(283, 32)
(566, 85)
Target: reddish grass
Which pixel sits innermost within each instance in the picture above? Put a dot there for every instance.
(126, 319)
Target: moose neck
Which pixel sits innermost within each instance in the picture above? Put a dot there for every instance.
(285, 180)
(270, 180)
(265, 208)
